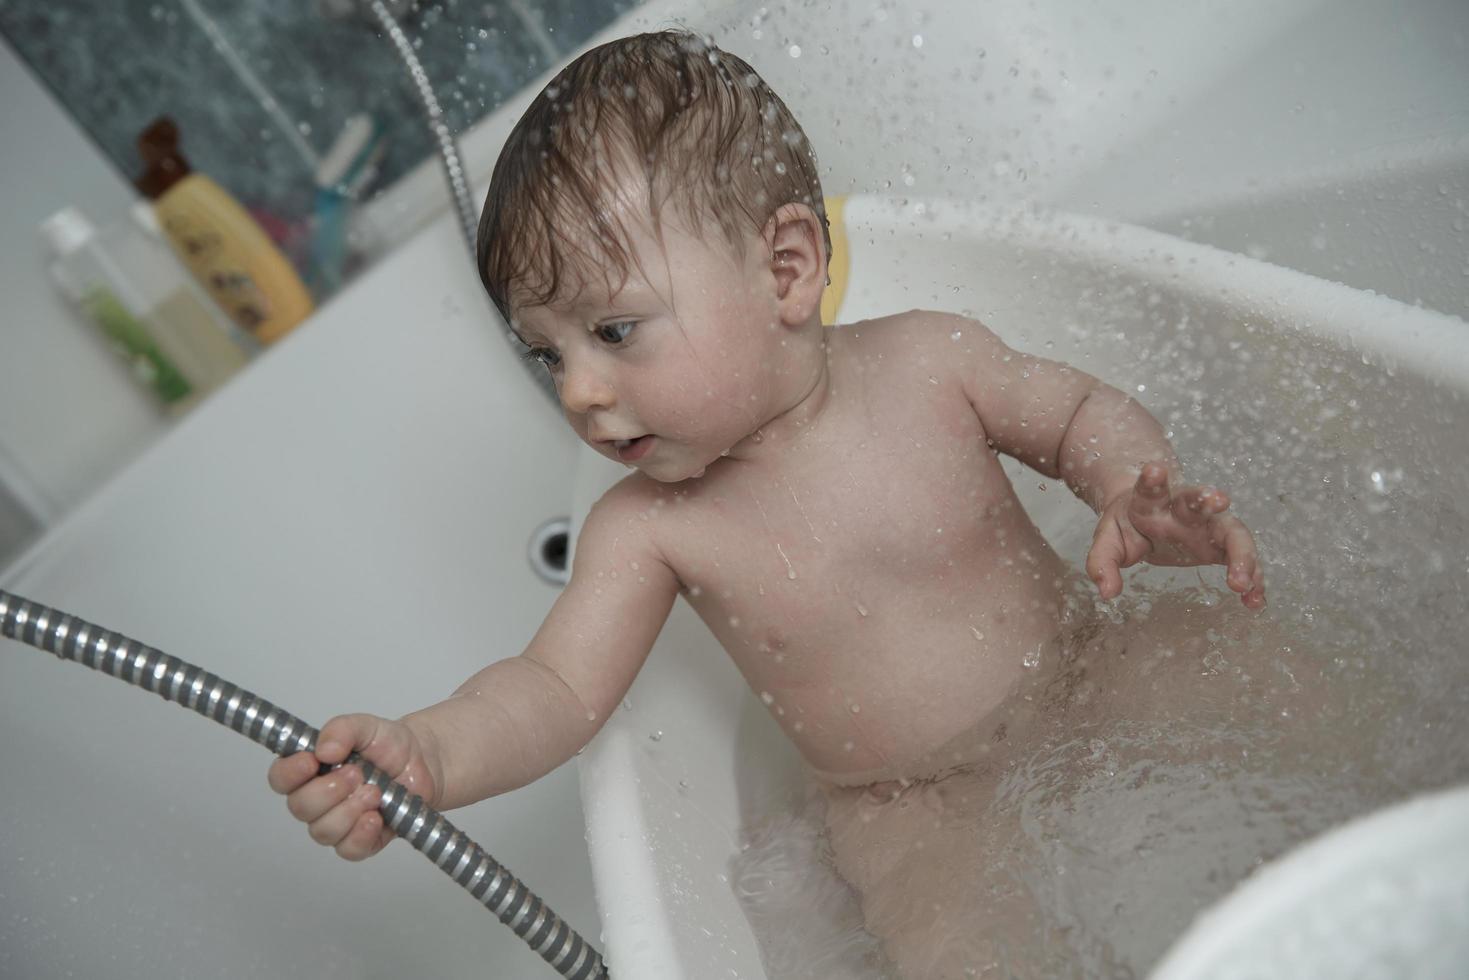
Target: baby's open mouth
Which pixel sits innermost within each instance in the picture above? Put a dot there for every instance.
(631, 450)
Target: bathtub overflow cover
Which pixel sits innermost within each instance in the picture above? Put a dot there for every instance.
(550, 545)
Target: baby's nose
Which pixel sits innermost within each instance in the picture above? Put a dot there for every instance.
(583, 389)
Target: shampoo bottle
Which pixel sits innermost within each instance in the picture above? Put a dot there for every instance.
(228, 253)
(89, 275)
(195, 333)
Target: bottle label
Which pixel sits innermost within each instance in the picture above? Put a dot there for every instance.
(132, 340)
(231, 286)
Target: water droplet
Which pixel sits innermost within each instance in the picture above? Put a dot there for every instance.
(861, 609)
(855, 708)
(918, 40)
(1385, 481)
(790, 569)
(767, 697)
(656, 736)
(795, 51)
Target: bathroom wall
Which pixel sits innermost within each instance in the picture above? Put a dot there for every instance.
(995, 105)
(1331, 136)
(261, 90)
(77, 82)
(69, 413)
(1338, 146)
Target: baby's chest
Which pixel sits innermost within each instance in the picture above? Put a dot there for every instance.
(808, 548)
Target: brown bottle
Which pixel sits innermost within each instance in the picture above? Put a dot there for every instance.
(226, 250)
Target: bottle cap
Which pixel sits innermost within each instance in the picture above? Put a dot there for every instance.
(66, 231)
(158, 145)
(146, 218)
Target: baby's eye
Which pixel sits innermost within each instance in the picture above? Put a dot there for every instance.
(614, 333)
(548, 358)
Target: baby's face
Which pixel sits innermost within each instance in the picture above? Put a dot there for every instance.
(675, 366)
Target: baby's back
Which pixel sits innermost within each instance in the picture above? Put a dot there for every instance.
(876, 580)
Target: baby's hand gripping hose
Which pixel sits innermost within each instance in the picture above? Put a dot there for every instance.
(260, 721)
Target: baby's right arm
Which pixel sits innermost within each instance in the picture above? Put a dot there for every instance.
(520, 717)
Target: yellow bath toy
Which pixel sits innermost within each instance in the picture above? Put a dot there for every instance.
(839, 264)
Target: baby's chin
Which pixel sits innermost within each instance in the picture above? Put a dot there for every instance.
(675, 467)
(665, 463)
(666, 472)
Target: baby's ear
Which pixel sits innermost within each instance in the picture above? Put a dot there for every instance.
(797, 262)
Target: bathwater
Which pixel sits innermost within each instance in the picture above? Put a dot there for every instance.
(1181, 742)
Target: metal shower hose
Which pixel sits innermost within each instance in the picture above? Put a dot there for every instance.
(454, 174)
(407, 815)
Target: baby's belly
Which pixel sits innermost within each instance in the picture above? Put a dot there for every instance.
(893, 697)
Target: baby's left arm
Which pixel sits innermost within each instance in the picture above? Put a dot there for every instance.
(1069, 425)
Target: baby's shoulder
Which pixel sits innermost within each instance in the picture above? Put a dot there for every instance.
(625, 501)
(638, 507)
(924, 337)
(915, 326)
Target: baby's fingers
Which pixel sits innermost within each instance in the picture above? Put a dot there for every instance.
(340, 810)
(294, 771)
(1105, 559)
(1150, 494)
(354, 826)
(1244, 575)
(367, 836)
(1255, 598)
(1194, 506)
(314, 800)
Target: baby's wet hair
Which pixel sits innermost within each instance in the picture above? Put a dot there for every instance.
(696, 126)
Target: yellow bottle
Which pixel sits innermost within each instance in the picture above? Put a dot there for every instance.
(228, 253)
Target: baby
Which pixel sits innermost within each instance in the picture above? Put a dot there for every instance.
(828, 499)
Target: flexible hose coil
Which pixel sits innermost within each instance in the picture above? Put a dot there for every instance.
(188, 686)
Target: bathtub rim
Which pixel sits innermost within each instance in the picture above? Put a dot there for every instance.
(1427, 343)
(1365, 851)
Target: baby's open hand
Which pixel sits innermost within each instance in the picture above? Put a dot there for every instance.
(341, 806)
(1187, 526)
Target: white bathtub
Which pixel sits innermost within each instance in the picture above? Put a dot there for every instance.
(343, 528)
(670, 781)
(1329, 138)
(411, 459)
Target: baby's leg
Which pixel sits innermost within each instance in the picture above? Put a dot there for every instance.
(1174, 751)
(910, 852)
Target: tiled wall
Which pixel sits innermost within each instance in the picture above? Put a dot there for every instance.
(117, 64)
